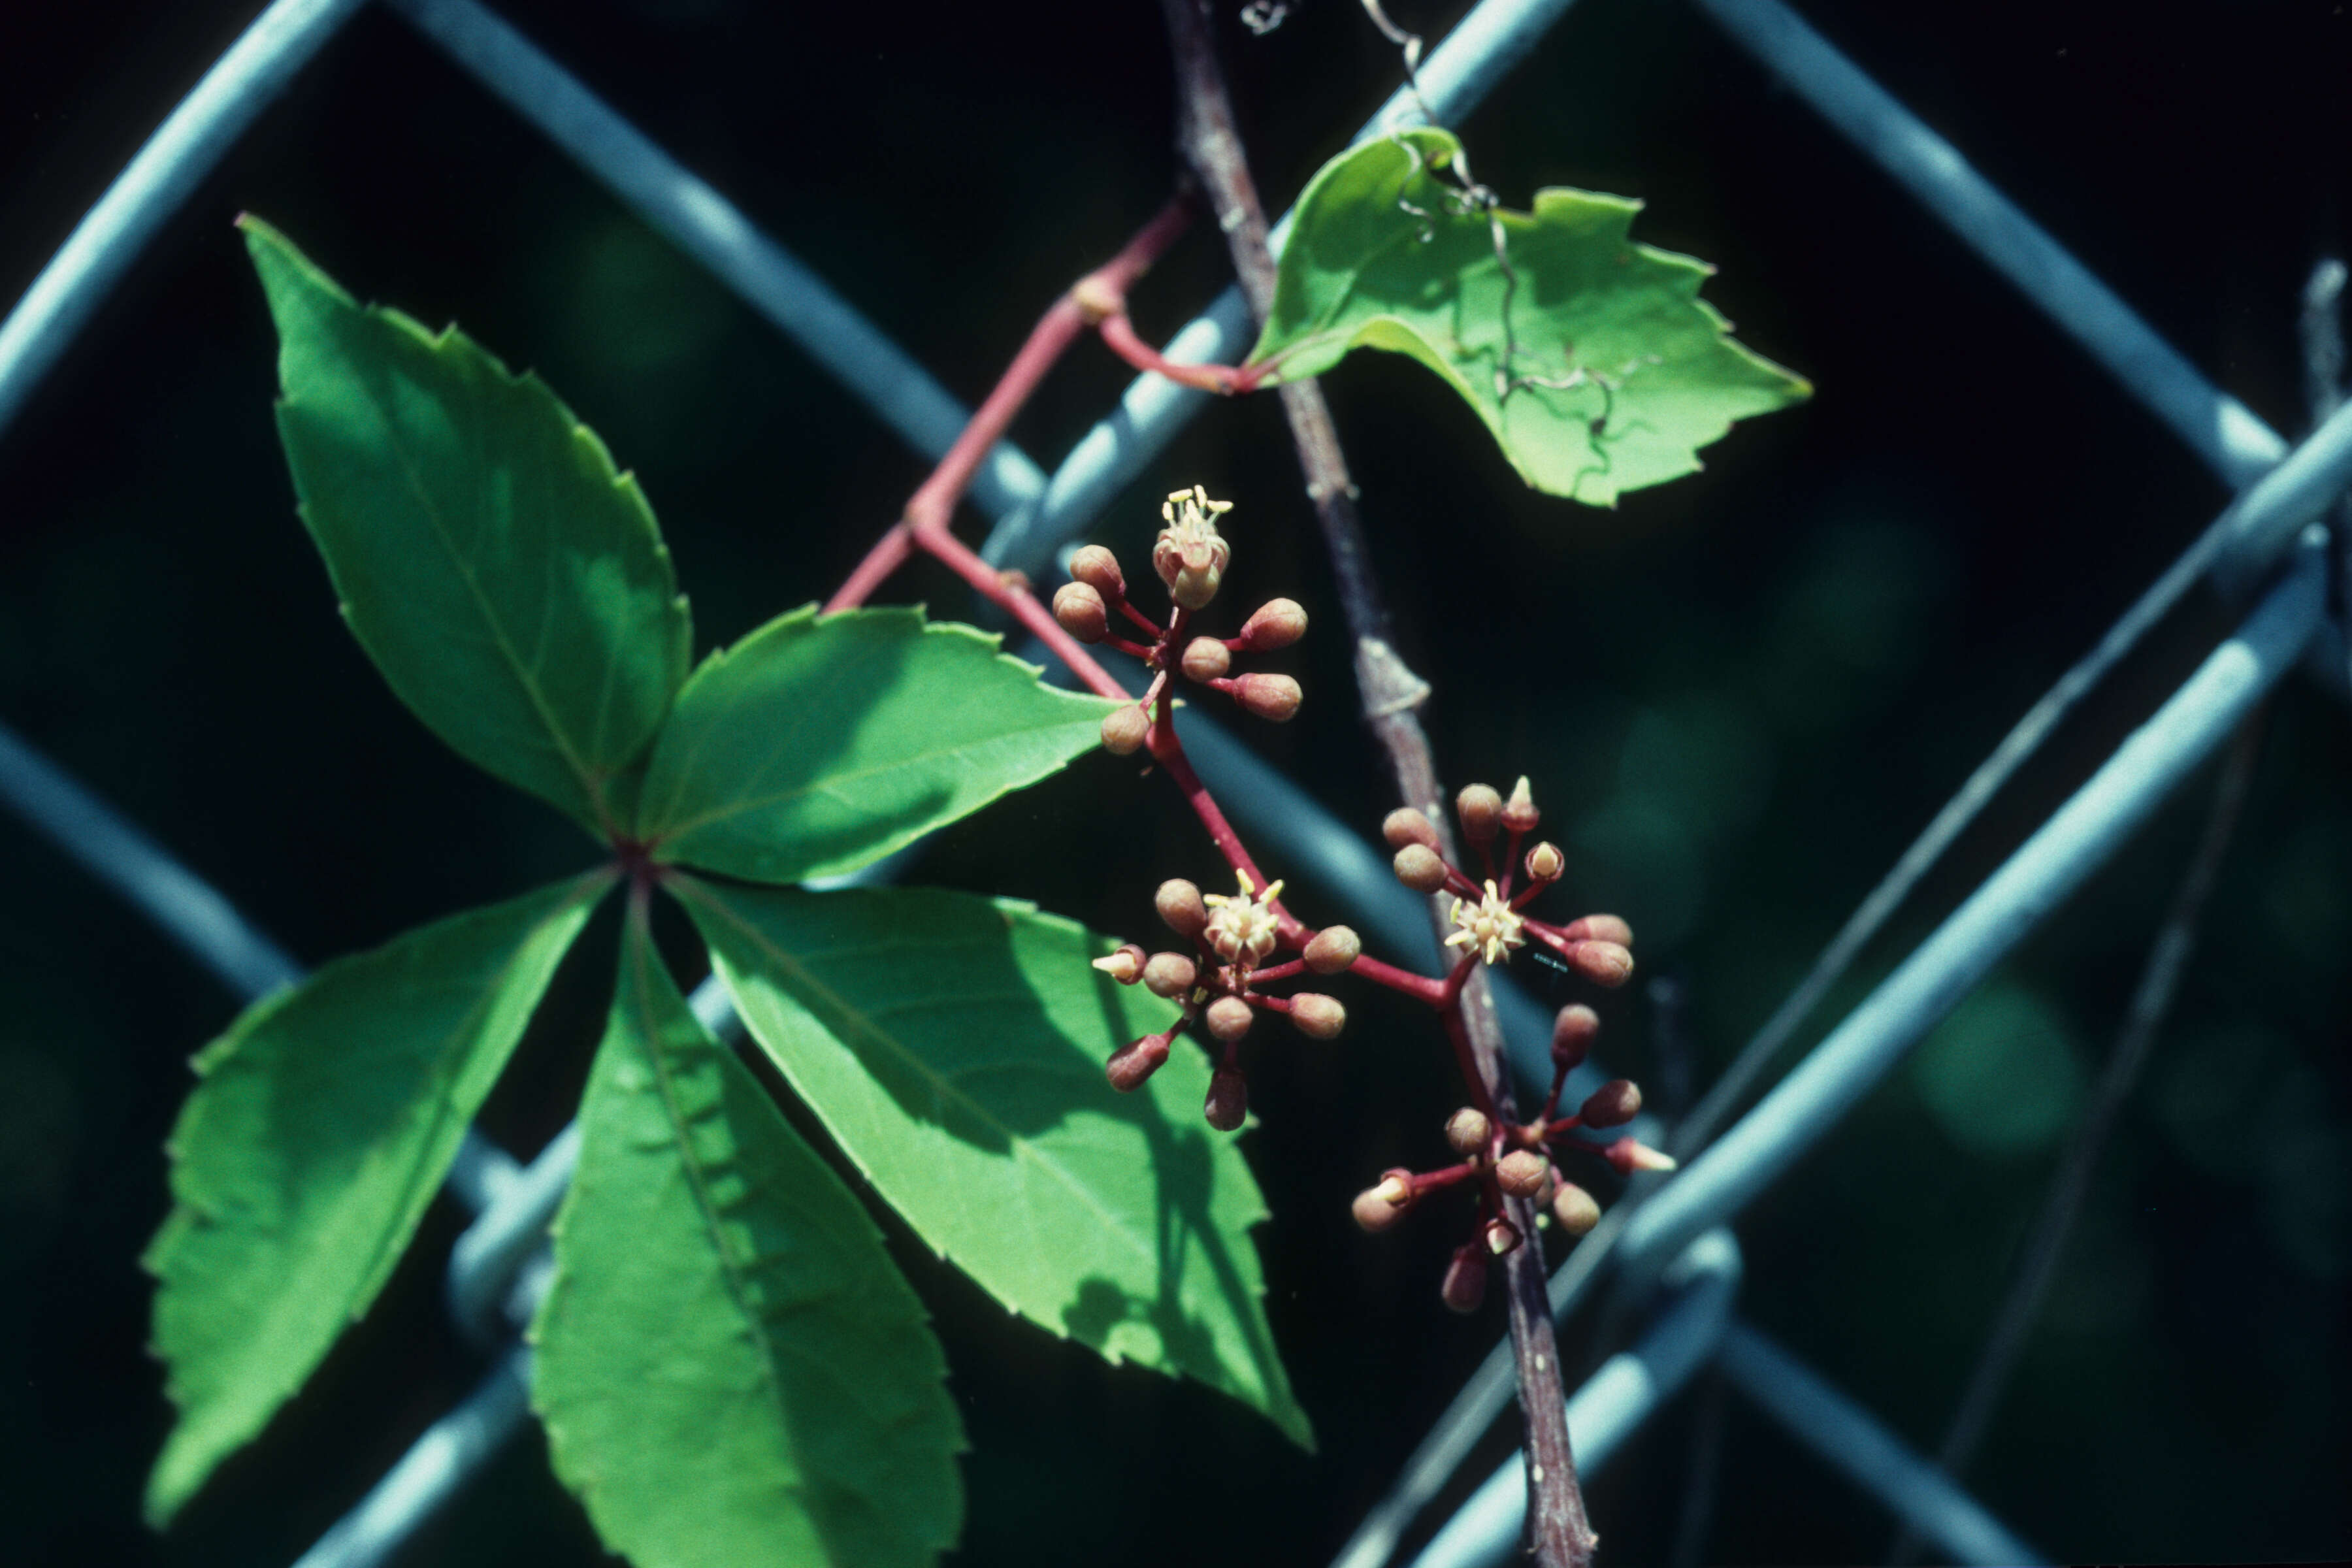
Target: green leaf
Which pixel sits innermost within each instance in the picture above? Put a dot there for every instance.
(325, 1120)
(731, 1370)
(1385, 254)
(954, 1047)
(821, 743)
(511, 587)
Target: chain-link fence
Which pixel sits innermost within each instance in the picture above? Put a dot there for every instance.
(1672, 1233)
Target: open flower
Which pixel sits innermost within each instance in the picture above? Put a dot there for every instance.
(1242, 930)
(1489, 928)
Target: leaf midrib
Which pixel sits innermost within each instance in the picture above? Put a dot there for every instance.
(945, 1087)
(591, 780)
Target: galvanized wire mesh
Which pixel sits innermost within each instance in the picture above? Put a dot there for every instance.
(1674, 1233)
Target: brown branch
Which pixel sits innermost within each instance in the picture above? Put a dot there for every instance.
(2151, 1004)
(1556, 1533)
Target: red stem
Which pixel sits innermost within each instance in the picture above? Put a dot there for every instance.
(928, 514)
(1120, 336)
(1419, 986)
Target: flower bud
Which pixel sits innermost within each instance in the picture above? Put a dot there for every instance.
(1520, 813)
(1572, 1034)
(1498, 1237)
(1383, 1204)
(1603, 963)
(1574, 1208)
(1097, 568)
(1205, 658)
(1125, 965)
(1598, 928)
(1480, 810)
(1135, 1061)
(1229, 1017)
(1080, 610)
(1468, 1130)
(1405, 826)
(1228, 1101)
(1192, 589)
(1168, 975)
(1317, 1016)
(1333, 949)
(1125, 729)
(1466, 1281)
(1613, 1104)
(1418, 867)
(1521, 1172)
(1181, 906)
(1628, 1155)
(1546, 863)
(1278, 622)
(1273, 698)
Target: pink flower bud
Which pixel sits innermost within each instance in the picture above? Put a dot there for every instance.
(1317, 1016)
(1468, 1130)
(1205, 658)
(1599, 928)
(1080, 610)
(1603, 963)
(1466, 1281)
(1125, 965)
(1572, 1034)
(1418, 867)
(1134, 1062)
(1613, 1104)
(1628, 1155)
(1546, 863)
(1194, 589)
(1278, 622)
(1168, 975)
(1520, 813)
(1575, 1209)
(1125, 729)
(1383, 1204)
(1480, 810)
(1273, 698)
(1181, 906)
(1097, 568)
(1498, 1237)
(1229, 1017)
(1521, 1172)
(1405, 826)
(1333, 950)
(1228, 1101)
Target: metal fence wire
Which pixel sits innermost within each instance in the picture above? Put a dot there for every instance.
(1673, 1232)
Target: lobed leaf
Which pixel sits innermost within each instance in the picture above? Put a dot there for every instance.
(953, 1046)
(326, 1118)
(510, 586)
(1608, 371)
(821, 743)
(731, 1370)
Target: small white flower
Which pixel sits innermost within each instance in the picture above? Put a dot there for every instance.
(1489, 928)
(1242, 930)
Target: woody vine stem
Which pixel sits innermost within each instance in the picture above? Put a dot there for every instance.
(1243, 941)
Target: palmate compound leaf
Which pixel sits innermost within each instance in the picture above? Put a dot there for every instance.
(731, 1370)
(323, 1123)
(819, 744)
(510, 586)
(1616, 371)
(953, 1047)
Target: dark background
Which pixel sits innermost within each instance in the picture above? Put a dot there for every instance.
(1739, 695)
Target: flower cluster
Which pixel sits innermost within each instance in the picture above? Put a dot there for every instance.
(1505, 1159)
(1232, 946)
(1217, 985)
(1189, 558)
(1489, 924)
